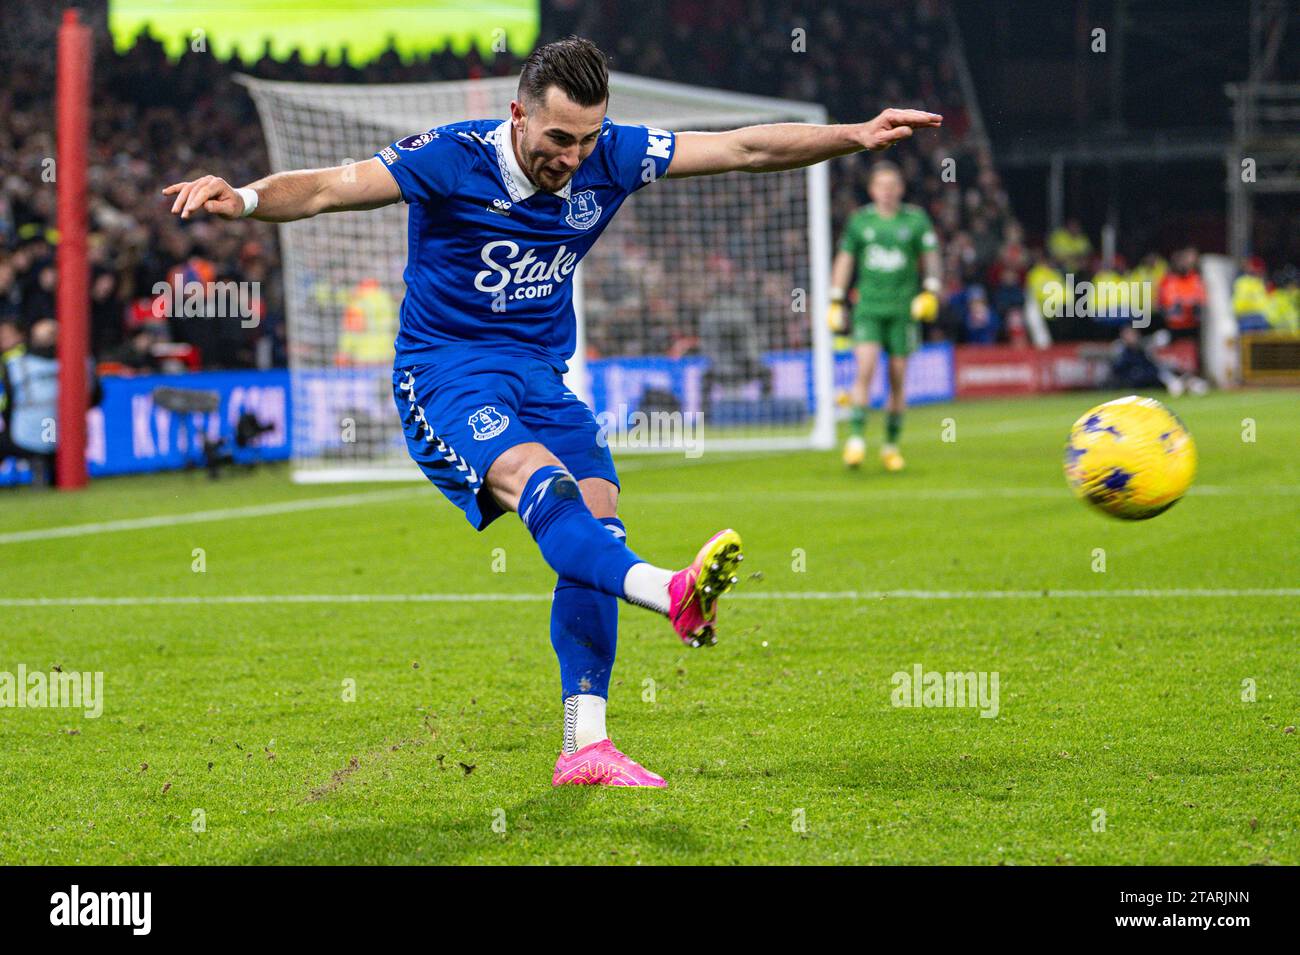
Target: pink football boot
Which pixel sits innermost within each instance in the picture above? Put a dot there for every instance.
(693, 593)
(600, 764)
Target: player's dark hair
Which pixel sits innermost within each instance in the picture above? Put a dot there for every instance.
(575, 65)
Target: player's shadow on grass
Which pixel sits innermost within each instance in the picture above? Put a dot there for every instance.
(570, 824)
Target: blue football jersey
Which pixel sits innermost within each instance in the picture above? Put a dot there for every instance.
(490, 259)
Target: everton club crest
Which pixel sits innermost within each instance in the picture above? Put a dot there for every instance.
(584, 211)
(487, 423)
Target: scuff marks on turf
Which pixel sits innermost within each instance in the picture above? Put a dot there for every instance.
(336, 780)
(340, 777)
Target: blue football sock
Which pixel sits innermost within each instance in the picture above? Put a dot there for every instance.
(584, 631)
(575, 544)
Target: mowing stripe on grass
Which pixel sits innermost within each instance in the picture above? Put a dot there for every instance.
(938, 494)
(669, 497)
(219, 514)
(832, 595)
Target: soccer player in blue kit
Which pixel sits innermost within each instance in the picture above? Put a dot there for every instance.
(501, 212)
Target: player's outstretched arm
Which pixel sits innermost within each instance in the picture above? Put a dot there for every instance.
(779, 146)
(286, 196)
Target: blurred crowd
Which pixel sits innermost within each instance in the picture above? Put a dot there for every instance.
(158, 121)
(1105, 294)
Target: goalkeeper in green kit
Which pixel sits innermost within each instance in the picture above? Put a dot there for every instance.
(890, 244)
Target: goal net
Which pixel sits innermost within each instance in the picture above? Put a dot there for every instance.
(700, 308)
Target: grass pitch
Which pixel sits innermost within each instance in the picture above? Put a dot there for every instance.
(1125, 733)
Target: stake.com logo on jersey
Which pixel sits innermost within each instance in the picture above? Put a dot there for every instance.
(537, 277)
(508, 265)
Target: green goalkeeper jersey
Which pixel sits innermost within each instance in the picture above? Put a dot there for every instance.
(887, 253)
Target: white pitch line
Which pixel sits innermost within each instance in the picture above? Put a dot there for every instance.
(220, 514)
(826, 595)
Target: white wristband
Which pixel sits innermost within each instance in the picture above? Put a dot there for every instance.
(932, 284)
(250, 201)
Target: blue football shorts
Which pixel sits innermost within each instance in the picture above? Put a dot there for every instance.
(459, 413)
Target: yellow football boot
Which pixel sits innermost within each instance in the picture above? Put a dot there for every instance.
(855, 452)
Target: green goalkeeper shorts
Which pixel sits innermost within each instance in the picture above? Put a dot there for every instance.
(895, 333)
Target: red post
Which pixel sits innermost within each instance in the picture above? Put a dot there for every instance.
(72, 301)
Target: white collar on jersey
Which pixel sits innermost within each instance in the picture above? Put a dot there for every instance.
(519, 185)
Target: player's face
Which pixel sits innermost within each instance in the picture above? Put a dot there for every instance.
(886, 189)
(554, 137)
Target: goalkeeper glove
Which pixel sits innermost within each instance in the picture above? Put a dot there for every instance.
(838, 318)
(925, 306)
